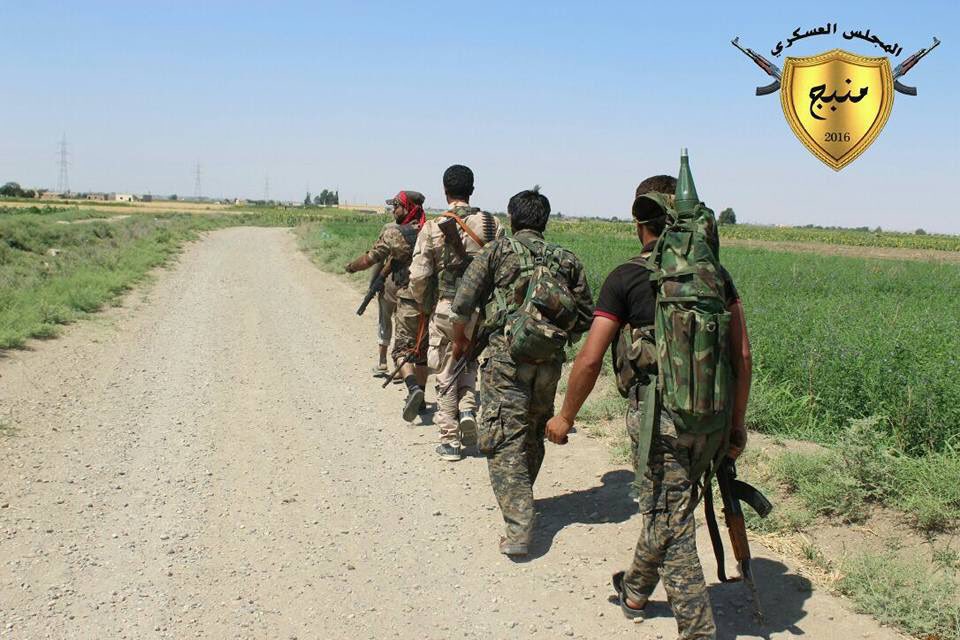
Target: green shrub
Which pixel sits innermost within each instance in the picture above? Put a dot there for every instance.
(903, 594)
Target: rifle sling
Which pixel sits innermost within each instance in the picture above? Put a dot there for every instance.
(715, 539)
(463, 225)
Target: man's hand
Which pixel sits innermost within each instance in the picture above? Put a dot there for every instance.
(557, 429)
(349, 268)
(738, 442)
(460, 346)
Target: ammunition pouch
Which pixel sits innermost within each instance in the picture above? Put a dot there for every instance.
(634, 357)
(449, 278)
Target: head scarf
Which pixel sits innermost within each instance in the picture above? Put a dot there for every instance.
(415, 213)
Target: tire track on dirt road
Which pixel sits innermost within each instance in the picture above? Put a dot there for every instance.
(214, 461)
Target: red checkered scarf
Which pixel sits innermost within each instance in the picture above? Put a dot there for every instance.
(415, 213)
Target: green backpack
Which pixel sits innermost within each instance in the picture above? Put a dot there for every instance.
(691, 321)
(537, 326)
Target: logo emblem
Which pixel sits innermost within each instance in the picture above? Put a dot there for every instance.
(837, 103)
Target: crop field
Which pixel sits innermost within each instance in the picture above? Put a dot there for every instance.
(835, 338)
(847, 237)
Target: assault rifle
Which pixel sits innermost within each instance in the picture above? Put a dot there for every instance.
(478, 342)
(768, 67)
(908, 64)
(377, 283)
(732, 491)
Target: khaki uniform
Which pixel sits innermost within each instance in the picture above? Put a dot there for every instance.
(437, 268)
(517, 398)
(397, 241)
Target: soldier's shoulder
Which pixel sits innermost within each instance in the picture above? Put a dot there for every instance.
(567, 256)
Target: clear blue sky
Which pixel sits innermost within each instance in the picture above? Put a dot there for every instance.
(584, 98)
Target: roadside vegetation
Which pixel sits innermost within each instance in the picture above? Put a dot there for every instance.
(850, 353)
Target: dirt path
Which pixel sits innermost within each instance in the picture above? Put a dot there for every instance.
(212, 460)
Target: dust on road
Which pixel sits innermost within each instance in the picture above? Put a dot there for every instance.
(214, 461)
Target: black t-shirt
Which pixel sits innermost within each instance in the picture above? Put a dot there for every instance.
(629, 296)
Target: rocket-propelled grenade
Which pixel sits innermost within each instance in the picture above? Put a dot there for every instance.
(686, 194)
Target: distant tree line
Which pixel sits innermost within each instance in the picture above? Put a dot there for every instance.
(325, 198)
(13, 190)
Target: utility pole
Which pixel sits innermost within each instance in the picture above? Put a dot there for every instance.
(266, 188)
(197, 186)
(63, 181)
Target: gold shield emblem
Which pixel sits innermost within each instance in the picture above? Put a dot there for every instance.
(837, 103)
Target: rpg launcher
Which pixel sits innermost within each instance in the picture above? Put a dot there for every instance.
(377, 282)
(732, 492)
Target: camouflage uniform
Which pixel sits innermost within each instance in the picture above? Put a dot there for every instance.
(397, 241)
(668, 545)
(435, 264)
(666, 481)
(517, 398)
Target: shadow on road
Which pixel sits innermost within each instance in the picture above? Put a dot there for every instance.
(782, 598)
(610, 502)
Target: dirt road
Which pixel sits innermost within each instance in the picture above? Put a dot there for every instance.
(212, 460)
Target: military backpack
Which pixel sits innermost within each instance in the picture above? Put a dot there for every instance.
(691, 325)
(538, 319)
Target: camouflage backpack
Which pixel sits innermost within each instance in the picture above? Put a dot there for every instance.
(685, 350)
(537, 325)
(691, 322)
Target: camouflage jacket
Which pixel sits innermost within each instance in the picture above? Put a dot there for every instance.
(497, 267)
(436, 263)
(396, 241)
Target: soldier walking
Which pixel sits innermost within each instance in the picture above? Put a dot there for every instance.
(518, 385)
(396, 242)
(444, 249)
(672, 447)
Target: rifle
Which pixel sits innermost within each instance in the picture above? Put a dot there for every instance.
(421, 333)
(768, 67)
(732, 491)
(908, 64)
(377, 283)
(478, 342)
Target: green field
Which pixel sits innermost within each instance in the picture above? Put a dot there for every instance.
(834, 338)
(849, 237)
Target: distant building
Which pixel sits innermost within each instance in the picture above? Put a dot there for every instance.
(97, 196)
(122, 197)
(52, 195)
(146, 198)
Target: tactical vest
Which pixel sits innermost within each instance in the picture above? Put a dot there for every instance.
(453, 265)
(401, 269)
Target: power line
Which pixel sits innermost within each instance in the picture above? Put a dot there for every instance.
(63, 180)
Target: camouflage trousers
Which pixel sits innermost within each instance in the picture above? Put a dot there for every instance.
(461, 395)
(667, 548)
(517, 401)
(406, 321)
